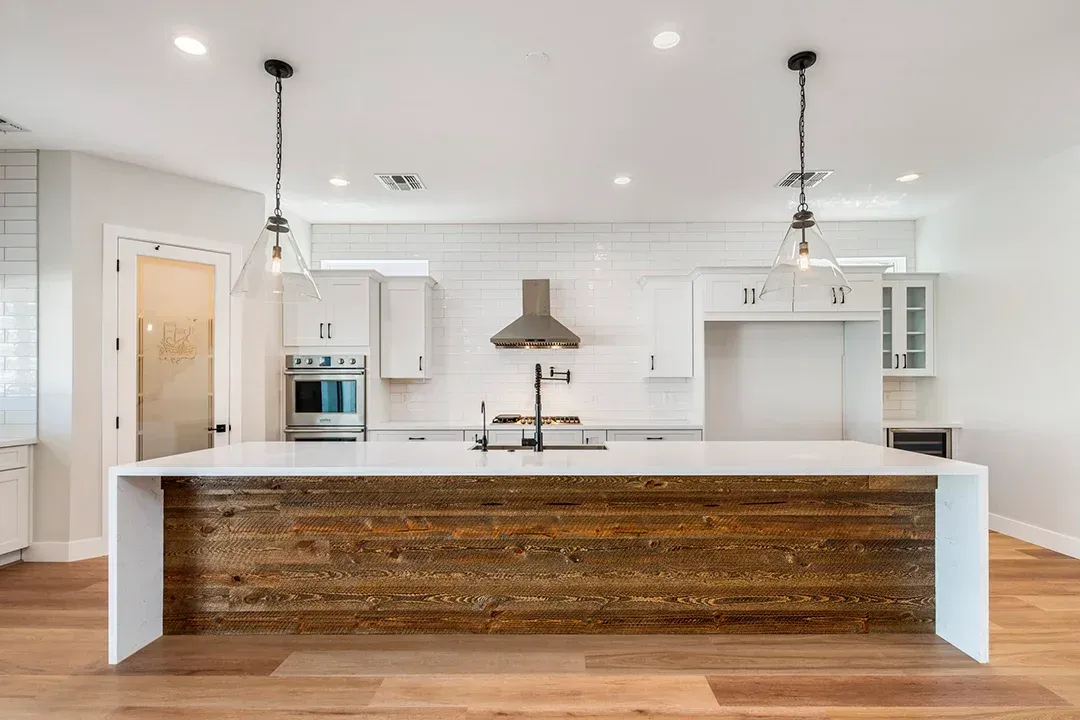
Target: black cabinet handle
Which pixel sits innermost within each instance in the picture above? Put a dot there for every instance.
(843, 295)
(744, 296)
(833, 295)
(905, 361)
(418, 438)
(328, 333)
(896, 364)
(653, 438)
(652, 362)
(421, 363)
(321, 331)
(753, 296)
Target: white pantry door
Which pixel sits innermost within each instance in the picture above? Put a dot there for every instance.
(173, 350)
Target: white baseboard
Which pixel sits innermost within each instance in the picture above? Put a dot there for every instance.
(8, 558)
(1058, 542)
(66, 551)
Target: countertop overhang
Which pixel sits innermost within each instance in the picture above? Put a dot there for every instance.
(622, 458)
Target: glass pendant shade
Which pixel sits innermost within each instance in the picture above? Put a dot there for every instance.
(805, 259)
(275, 270)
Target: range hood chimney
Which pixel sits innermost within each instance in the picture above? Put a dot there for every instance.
(535, 328)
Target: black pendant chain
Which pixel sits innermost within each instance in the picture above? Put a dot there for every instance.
(277, 186)
(802, 140)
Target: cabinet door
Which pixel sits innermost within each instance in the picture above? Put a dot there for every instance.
(304, 323)
(917, 354)
(406, 330)
(727, 293)
(594, 437)
(348, 312)
(14, 510)
(670, 313)
(864, 295)
(817, 299)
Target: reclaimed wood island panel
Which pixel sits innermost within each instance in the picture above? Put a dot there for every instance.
(693, 537)
(549, 554)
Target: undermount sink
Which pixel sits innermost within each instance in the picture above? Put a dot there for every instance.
(523, 448)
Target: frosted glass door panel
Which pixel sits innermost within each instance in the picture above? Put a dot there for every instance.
(175, 407)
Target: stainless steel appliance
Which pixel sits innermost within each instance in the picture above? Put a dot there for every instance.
(536, 328)
(320, 435)
(928, 441)
(325, 392)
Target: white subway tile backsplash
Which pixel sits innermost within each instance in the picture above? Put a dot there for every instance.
(18, 280)
(594, 269)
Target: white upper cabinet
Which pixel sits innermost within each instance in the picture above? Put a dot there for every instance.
(348, 312)
(738, 293)
(908, 325)
(406, 328)
(342, 319)
(863, 296)
(669, 321)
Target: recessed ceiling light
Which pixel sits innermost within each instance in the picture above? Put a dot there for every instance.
(666, 40)
(909, 177)
(623, 180)
(189, 45)
(338, 182)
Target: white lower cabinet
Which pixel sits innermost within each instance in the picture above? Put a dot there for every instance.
(653, 435)
(594, 437)
(416, 436)
(14, 499)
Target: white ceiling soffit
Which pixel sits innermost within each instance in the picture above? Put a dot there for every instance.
(947, 88)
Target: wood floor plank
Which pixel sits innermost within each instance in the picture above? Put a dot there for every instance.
(413, 662)
(542, 693)
(1069, 602)
(110, 692)
(883, 691)
(344, 713)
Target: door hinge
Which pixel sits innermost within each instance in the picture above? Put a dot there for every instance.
(117, 422)
(117, 343)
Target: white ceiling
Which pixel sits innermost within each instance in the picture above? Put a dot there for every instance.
(950, 88)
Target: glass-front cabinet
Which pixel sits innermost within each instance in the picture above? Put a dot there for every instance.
(907, 321)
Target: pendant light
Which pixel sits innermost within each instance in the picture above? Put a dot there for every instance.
(275, 270)
(805, 259)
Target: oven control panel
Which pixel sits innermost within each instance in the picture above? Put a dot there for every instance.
(325, 362)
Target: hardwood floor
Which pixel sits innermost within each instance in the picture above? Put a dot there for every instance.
(53, 665)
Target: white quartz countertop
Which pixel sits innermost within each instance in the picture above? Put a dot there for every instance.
(914, 424)
(624, 458)
(586, 424)
(17, 442)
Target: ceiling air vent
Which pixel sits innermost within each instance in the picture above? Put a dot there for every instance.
(813, 178)
(7, 126)
(401, 183)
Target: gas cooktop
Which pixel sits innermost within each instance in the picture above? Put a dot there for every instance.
(544, 420)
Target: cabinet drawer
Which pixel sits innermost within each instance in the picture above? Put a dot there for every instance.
(594, 437)
(658, 435)
(14, 509)
(416, 436)
(14, 457)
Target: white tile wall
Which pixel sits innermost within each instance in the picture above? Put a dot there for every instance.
(18, 293)
(900, 399)
(594, 268)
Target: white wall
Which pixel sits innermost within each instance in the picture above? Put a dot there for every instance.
(594, 268)
(78, 193)
(1009, 342)
(756, 390)
(18, 293)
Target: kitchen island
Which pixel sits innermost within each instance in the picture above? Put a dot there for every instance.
(706, 537)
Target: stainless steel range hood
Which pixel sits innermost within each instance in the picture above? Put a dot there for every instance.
(535, 328)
